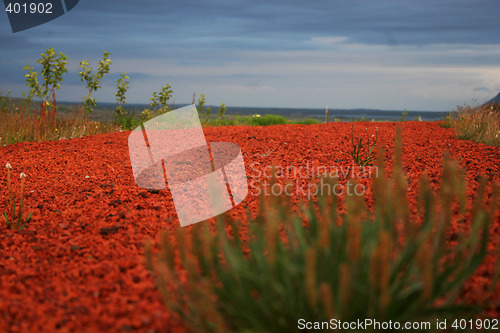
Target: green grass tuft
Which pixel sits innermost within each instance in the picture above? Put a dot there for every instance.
(480, 124)
(390, 263)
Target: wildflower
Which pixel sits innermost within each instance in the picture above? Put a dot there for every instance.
(11, 224)
(9, 167)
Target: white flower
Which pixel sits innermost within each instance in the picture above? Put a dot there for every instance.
(8, 166)
(22, 175)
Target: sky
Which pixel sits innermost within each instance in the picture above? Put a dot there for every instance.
(421, 55)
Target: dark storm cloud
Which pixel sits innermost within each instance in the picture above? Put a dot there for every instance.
(279, 24)
(164, 40)
(373, 22)
(148, 27)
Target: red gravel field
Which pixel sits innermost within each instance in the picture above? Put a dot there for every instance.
(78, 265)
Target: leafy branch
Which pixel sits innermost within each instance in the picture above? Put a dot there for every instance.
(122, 86)
(160, 99)
(93, 81)
(53, 68)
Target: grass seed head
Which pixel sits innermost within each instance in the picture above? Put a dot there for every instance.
(311, 276)
(327, 299)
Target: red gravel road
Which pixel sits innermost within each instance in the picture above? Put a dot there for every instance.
(78, 266)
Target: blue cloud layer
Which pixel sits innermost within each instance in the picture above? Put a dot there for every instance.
(193, 43)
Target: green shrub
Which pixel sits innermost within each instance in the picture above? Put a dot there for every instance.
(307, 121)
(122, 87)
(5, 101)
(266, 120)
(222, 110)
(122, 117)
(389, 263)
(446, 121)
(480, 124)
(203, 110)
(127, 121)
(53, 68)
(404, 115)
(159, 101)
(255, 120)
(93, 81)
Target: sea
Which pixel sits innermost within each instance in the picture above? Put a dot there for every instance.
(106, 109)
(342, 114)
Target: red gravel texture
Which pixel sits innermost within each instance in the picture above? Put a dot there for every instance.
(79, 264)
